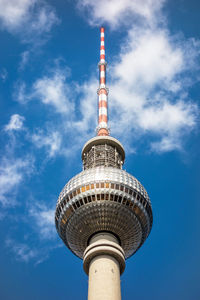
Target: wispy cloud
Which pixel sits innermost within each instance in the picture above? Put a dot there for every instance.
(40, 240)
(3, 74)
(16, 123)
(118, 12)
(44, 219)
(12, 174)
(30, 19)
(51, 141)
(20, 95)
(22, 251)
(54, 91)
(27, 252)
(24, 59)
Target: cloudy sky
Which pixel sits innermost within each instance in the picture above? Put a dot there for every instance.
(48, 81)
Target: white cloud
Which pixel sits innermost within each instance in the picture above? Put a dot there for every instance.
(51, 141)
(22, 251)
(44, 219)
(31, 251)
(149, 58)
(167, 143)
(54, 91)
(29, 18)
(167, 117)
(16, 123)
(24, 59)
(12, 174)
(13, 12)
(20, 94)
(44, 20)
(3, 74)
(116, 12)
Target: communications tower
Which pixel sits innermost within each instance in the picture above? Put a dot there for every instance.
(103, 214)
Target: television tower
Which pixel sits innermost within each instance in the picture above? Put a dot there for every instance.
(103, 214)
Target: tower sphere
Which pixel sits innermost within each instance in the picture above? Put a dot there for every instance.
(103, 198)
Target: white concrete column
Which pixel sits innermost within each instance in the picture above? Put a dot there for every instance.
(104, 262)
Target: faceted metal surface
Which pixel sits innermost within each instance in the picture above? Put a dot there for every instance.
(103, 199)
(103, 174)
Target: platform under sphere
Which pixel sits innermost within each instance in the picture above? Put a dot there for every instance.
(103, 199)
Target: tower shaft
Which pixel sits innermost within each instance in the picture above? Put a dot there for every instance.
(104, 261)
(104, 279)
(102, 128)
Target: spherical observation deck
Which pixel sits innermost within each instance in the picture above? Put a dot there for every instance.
(103, 197)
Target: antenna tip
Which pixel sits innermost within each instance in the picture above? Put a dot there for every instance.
(102, 29)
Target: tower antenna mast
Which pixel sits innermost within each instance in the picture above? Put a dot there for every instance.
(102, 129)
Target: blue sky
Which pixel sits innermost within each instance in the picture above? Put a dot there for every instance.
(48, 80)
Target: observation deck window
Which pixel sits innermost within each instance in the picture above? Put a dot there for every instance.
(124, 200)
(102, 196)
(106, 196)
(115, 198)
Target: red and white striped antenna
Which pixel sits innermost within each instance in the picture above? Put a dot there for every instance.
(102, 128)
